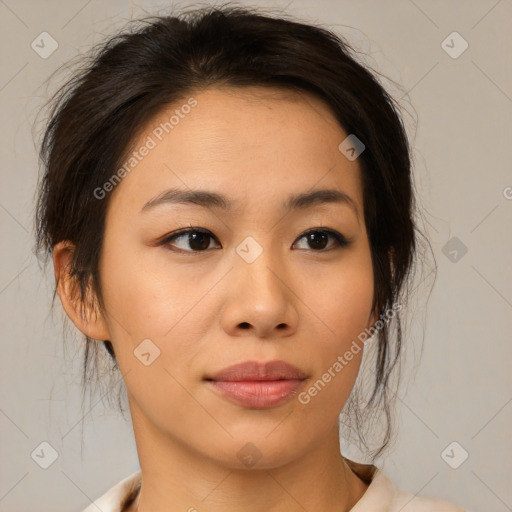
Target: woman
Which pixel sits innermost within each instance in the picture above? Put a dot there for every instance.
(228, 204)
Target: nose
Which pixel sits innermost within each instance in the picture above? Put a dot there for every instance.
(260, 301)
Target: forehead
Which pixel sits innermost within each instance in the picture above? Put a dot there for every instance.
(250, 143)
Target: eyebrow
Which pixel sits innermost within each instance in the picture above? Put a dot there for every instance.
(209, 199)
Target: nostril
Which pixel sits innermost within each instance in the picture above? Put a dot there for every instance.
(244, 325)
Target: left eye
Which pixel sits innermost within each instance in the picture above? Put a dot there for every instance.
(199, 240)
(318, 238)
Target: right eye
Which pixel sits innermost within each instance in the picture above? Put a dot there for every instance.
(197, 239)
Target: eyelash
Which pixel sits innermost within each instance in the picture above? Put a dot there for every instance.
(340, 239)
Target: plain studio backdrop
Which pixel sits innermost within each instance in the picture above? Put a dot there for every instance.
(452, 60)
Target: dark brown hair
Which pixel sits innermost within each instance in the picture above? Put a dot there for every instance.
(161, 60)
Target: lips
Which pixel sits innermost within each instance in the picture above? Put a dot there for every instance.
(258, 385)
(255, 371)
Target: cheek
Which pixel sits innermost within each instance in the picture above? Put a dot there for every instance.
(340, 296)
(342, 300)
(147, 302)
(156, 331)
(138, 294)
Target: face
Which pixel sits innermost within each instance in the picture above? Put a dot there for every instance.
(263, 278)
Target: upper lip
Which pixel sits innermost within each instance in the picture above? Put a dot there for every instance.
(259, 371)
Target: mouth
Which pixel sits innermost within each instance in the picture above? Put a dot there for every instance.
(258, 385)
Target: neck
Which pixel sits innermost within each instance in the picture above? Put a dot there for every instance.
(177, 479)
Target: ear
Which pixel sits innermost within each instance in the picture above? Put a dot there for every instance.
(86, 316)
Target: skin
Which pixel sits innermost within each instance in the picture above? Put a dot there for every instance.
(206, 310)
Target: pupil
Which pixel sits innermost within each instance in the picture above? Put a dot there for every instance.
(202, 238)
(319, 240)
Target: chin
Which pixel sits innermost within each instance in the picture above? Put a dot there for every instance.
(258, 452)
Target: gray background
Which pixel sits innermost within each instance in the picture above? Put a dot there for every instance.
(461, 388)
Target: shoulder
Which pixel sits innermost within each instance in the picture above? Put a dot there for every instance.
(382, 496)
(116, 497)
(403, 501)
(407, 502)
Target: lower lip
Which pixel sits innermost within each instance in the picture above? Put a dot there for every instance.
(258, 394)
